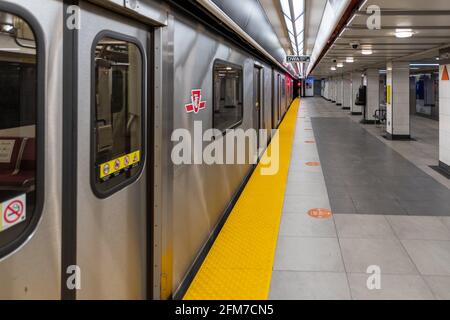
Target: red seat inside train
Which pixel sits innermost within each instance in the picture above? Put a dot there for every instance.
(20, 171)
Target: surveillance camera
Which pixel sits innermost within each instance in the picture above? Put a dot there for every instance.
(355, 45)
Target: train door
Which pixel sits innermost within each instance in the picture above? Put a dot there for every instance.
(111, 201)
(274, 101)
(258, 111)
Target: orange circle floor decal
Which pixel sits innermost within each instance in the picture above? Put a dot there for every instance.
(320, 213)
(313, 164)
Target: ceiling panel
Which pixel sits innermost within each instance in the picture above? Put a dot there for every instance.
(431, 31)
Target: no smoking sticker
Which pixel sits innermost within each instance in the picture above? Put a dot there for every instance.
(13, 212)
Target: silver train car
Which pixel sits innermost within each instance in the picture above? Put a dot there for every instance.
(91, 92)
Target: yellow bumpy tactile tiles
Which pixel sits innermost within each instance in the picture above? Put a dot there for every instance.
(239, 264)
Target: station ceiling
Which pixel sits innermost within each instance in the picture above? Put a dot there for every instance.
(429, 21)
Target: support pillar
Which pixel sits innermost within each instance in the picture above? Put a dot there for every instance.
(444, 112)
(373, 96)
(339, 91)
(355, 85)
(326, 89)
(397, 101)
(332, 90)
(346, 91)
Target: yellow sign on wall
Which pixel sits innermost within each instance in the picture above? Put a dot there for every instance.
(117, 165)
(388, 92)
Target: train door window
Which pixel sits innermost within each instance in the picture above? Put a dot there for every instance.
(118, 109)
(279, 97)
(21, 107)
(228, 96)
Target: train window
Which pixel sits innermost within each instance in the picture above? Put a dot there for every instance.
(118, 114)
(21, 95)
(228, 96)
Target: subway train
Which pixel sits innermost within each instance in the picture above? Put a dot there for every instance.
(92, 205)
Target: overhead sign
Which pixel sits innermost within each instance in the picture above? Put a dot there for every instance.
(13, 212)
(300, 59)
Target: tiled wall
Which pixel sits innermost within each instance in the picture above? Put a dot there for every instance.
(398, 118)
(373, 93)
(355, 84)
(347, 91)
(339, 90)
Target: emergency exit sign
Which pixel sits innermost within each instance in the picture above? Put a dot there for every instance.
(300, 59)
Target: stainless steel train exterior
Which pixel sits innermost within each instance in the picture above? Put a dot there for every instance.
(145, 236)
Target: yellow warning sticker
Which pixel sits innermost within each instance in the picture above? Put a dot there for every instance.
(120, 164)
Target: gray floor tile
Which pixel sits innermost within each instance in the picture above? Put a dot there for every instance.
(302, 225)
(303, 188)
(393, 287)
(388, 254)
(288, 285)
(343, 204)
(440, 286)
(363, 226)
(419, 228)
(377, 205)
(302, 204)
(308, 254)
(446, 222)
(426, 208)
(430, 257)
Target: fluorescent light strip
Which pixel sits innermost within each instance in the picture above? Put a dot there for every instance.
(424, 65)
(299, 8)
(285, 6)
(289, 24)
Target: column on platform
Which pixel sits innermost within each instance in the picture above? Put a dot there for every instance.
(339, 91)
(373, 95)
(346, 91)
(331, 82)
(444, 112)
(397, 101)
(355, 85)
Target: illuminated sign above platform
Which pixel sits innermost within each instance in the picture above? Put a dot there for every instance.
(298, 59)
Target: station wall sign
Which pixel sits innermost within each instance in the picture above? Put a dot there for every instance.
(298, 59)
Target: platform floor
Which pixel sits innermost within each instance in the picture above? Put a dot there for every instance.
(390, 211)
(387, 212)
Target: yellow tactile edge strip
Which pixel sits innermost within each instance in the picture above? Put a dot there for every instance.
(240, 262)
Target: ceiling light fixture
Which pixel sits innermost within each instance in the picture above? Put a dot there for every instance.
(404, 33)
(350, 60)
(333, 68)
(340, 65)
(367, 51)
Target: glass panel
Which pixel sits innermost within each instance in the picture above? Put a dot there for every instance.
(18, 107)
(228, 96)
(118, 112)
